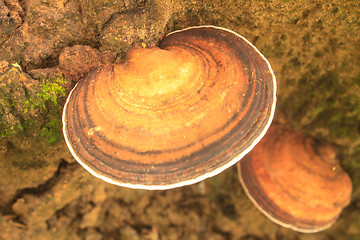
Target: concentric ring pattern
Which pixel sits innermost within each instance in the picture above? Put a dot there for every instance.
(173, 115)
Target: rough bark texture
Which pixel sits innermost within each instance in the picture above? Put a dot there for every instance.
(48, 45)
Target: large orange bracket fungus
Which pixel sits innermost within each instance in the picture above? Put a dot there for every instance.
(172, 115)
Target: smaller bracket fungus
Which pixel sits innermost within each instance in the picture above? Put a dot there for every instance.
(295, 181)
(172, 115)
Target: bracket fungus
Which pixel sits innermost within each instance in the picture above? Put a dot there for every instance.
(172, 115)
(295, 180)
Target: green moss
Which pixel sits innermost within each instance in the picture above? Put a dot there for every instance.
(51, 132)
(8, 130)
(50, 91)
(30, 107)
(47, 101)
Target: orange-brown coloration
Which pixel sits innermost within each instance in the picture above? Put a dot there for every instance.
(295, 180)
(173, 115)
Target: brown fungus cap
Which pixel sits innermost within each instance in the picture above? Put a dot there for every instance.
(175, 115)
(295, 180)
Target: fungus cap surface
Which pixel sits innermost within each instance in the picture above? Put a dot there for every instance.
(172, 115)
(295, 180)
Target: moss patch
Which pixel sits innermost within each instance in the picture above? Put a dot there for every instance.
(15, 87)
(51, 91)
(29, 106)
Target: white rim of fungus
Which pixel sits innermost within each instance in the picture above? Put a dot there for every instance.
(202, 177)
